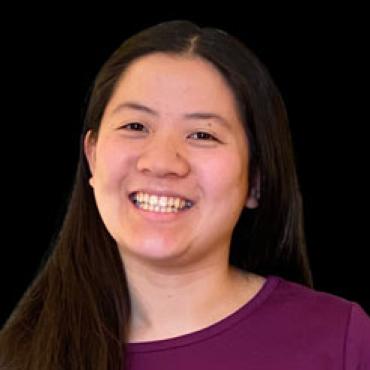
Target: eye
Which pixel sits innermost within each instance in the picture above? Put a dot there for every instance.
(205, 135)
(134, 124)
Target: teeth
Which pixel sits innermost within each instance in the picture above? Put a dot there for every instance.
(160, 203)
(157, 208)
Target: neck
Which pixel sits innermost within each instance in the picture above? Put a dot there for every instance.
(166, 304)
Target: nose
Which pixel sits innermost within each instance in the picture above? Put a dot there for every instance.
(161, 157)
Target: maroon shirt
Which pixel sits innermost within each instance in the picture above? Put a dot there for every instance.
(284, 326)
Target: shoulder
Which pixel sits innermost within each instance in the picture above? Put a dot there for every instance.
(324, 316)
(358, 338)
(300, 306)
(309, 299)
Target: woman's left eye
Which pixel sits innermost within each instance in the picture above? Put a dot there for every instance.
(205, 135)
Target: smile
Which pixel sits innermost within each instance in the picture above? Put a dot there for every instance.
(160, 204)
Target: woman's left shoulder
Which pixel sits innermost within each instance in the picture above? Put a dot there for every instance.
(357, 351)
(330, 322)
(324, 307)
(314, 299)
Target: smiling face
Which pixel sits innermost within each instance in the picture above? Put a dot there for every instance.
(166, 148)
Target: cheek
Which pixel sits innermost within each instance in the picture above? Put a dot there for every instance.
(111, 164)
(223, 175)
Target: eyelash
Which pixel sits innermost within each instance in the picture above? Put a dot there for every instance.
(212, 138)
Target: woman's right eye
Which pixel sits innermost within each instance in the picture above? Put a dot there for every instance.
(134, 125)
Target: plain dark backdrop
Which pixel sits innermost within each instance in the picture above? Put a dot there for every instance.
(316, 58)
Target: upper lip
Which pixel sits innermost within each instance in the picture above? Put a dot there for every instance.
(162, 192)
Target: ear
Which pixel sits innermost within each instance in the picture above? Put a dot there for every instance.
(90, 153)
(253, 198)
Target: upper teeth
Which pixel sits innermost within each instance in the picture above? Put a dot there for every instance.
(161, 201)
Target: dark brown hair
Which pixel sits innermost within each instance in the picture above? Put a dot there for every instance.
(75, 313)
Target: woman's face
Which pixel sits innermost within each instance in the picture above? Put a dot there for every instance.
(166, 149)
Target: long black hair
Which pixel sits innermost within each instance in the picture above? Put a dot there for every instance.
(75, 313)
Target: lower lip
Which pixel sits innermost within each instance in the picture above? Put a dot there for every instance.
(161, 216)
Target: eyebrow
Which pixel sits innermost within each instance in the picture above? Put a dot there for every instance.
(195, 115)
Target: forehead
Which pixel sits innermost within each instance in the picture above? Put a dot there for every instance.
(170, 83)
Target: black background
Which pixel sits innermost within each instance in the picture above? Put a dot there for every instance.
(315, 56)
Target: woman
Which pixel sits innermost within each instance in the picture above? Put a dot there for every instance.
(183, 243)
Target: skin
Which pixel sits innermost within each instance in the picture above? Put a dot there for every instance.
(177, 268)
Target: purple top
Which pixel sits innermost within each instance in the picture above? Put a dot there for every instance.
(284, 326)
